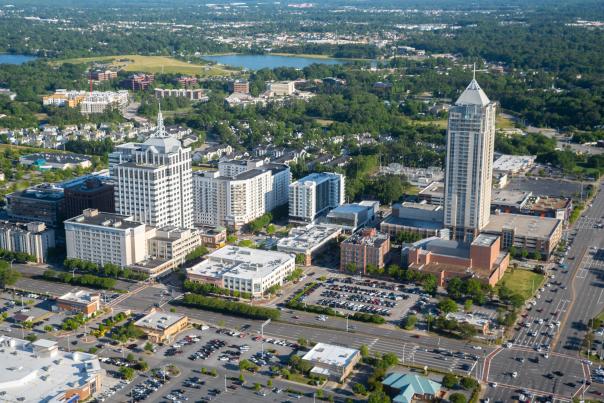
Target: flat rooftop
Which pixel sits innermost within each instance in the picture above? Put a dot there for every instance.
(330, 354)
(549, 203)
(316, 177)
(361, 238)
(513, 163)
(304, 239)
(243, 263)
(103, 219)
(81, 297)
(158, 320)
(435, 189)
(414, 222)
(512, 198)
(39, 371)
(419, 206)
(56, 158)
(523, 225)
(485, 240)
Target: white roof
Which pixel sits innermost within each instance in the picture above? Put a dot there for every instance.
(305, 239)
(158, 320)
(473, 95)
(38, 372)
(330, 354)
(239, 262)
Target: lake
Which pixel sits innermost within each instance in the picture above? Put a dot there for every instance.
(257, 62)
(7, 58)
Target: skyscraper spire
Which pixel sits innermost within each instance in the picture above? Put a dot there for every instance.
(161, 130)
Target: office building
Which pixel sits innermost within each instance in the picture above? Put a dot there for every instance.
(154, 181)
(315, 195)
(45, 161)
(353, 216)
(197, 94)
(138, 82)
(40, 372)
(434, 193)
(212, 237)
(100, 75)
(366, 247)
(243, 269)
(92, 193)
(81, 301)
(282, 88)
(483, 259)
(469, 163)
(422, 219)
(45, 203)
(161, 326)
(524, 232)
(103, 238)
(332, 362)
(173, 243)
(309, 241)
(240, 86)
(32, 238)
(239, 192)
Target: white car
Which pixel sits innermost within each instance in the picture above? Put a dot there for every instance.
(514, 374)
(493, 384)
(477, 347)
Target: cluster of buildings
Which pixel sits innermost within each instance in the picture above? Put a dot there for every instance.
(194, 94)
(89, 102)
(276, 91)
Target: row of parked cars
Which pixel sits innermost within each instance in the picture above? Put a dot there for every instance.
(351, 289)
(207, 350)
(351, 306)
(151, 385)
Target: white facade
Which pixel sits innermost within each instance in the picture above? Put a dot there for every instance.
(469, 166)
(98, 102)
(282, 88)
(32, 238)
(154, 181)
(314, 195)
(105, 238)
(243, 269)
(239, 192)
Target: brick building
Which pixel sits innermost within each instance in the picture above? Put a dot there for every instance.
(367, 247)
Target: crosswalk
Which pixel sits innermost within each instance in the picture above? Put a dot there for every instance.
(127, 295)
(585, 223)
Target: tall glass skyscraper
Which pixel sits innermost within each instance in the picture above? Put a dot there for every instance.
(469, 164)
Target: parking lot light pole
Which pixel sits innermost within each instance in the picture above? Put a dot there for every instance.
(225, 382)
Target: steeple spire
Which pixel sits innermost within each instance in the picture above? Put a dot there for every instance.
(474, 72)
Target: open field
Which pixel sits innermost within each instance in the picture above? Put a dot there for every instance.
(440, 123)
(503, 122)
(521, 281)
(153, 64)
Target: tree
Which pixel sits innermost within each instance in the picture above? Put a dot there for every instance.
(390, 359)
(257, 387)
(359, 389)
(467, 305)
(302, 342)
(148, 347)
(457, 398)
(409, 322)
(300, 258)
(8, 276)
(468, 383)
(127, 373)
(447, 305)
(364, 351)
(379, 396)
(241, 378)
(449, 381)
(269, 383)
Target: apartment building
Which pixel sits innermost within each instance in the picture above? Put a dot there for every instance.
(100, 75)
(138, 82)
(239, 192)
(32, 238)
(240, 86)
(154, 180)
(196, 94)
(63, 97)
(99, 102)
(315, 195)
(282, 88)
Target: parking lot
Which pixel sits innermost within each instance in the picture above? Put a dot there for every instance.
(350, 295)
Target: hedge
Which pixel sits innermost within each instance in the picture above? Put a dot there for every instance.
(230, 307)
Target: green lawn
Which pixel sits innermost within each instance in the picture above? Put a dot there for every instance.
(521, 281)
(153, 64)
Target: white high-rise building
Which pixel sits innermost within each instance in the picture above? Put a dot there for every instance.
(239, 192)
(315, 195)
(154, 180)
(469, 166)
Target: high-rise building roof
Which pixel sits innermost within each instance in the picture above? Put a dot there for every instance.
(473, 95)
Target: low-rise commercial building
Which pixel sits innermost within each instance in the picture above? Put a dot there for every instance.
(513, 164)
(509, 201)
(212, 237)
(309, 241)
(331, 361)
(353, 216)
(552, 207)
(422, 219)
(80, 301)
(39, 372)
(479, 323)
(60, 161)
(243, 269)
(32, 238)
(533, 234)
(366, 247)
(162, 326)
(482, 259)
(410, 388)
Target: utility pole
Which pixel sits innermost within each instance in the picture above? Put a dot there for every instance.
(262, 334)
(225, 383)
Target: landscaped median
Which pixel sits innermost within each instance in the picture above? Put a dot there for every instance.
(229, 307)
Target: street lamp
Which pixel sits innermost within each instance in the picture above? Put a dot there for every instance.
(262, 334)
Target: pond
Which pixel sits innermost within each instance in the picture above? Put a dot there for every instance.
(7, 58)
(257, 62)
